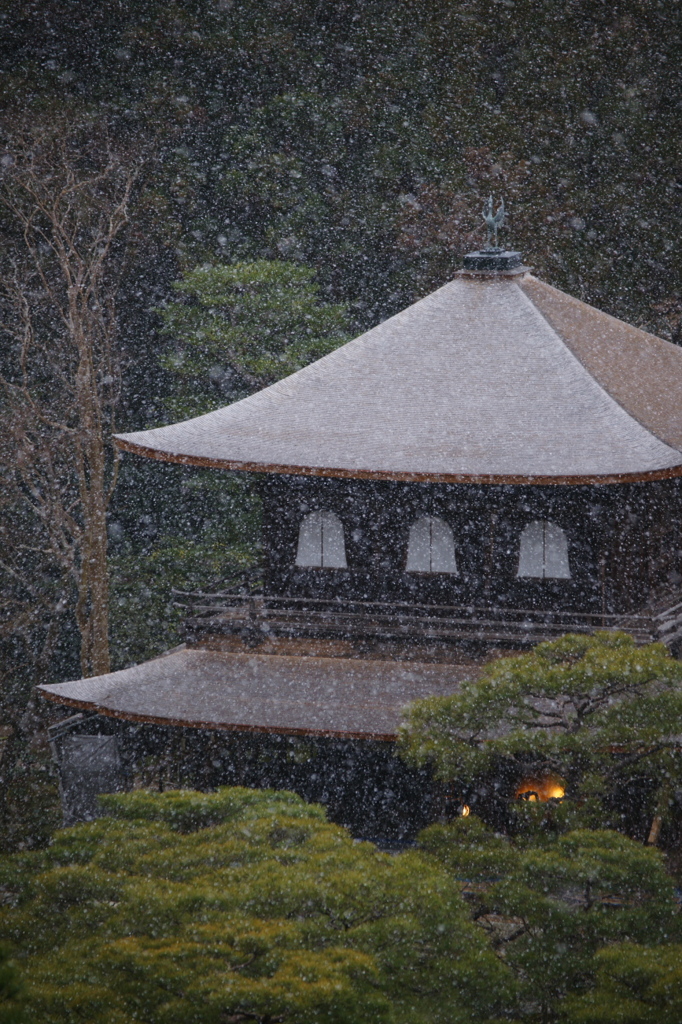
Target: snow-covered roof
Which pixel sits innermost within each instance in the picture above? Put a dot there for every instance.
(263, 692)
(494, 378)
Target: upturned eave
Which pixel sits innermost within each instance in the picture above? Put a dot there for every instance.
(409, 477)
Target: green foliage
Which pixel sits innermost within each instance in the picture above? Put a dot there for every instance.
(189, 811)
(548, 906)
(469, 849)
(246, 325)
(241, 904)
(635, 985)
(31, 808)
(370, 139)
(11, 990)
(146, 615)
(598, 711)
(204, 535)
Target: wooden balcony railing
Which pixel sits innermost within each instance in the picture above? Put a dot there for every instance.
(230, 614)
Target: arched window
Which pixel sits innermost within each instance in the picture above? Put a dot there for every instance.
(431, 547)
(320, 541)
(543, 552)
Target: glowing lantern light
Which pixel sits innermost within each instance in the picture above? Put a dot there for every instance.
(543, 790)
(464, 811)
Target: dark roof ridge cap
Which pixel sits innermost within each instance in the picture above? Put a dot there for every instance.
(491, 275)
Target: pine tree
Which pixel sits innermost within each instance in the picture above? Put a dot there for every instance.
(548, 903)
(597, 712)
(240, 326)
(635, 983)
(241, 905)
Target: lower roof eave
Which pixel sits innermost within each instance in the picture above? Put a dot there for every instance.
(405, 476)
(128, 716)
(202, 688)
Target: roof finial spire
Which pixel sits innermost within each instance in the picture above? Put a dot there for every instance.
(493, 221)
(493, 260)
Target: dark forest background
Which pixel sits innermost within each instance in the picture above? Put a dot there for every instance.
(355, 140)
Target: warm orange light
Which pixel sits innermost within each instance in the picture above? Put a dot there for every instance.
(464, 811)
(540, 789)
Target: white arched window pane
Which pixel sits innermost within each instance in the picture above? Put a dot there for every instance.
(419, 546)
(556, 553)
(543, 552)
(532, 551)
(431, 547)
(310, 541)
(442, 547)
(320, 542)
(333, 545)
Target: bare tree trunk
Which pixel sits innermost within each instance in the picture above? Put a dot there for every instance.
(70, 206)
(655, 830)
(92, 606)
(663, 801)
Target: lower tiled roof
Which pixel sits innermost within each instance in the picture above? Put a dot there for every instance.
(349, 697)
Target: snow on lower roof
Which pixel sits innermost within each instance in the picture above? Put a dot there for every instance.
(491, 379)
(263, 692)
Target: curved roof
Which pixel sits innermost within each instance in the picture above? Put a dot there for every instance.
(263, 692)
(493, 379)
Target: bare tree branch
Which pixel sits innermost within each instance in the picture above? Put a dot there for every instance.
(68, 203)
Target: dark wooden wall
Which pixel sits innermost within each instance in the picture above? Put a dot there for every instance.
(362, 783)
(642, 544)
(624, 542)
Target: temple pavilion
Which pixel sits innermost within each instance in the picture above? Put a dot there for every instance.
(495, 465)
